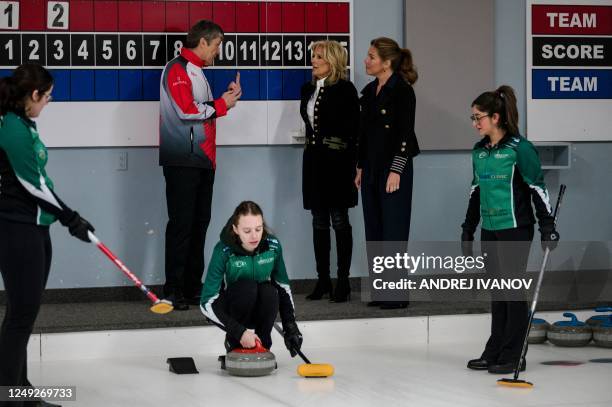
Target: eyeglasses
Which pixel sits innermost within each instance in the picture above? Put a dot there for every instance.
(477, 119)
(48, 97)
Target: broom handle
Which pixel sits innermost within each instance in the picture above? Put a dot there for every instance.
(299, 352)
(536, 294)
(122, 267)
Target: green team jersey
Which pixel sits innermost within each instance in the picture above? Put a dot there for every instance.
(26, 192)
(230, 263)
(506, 178)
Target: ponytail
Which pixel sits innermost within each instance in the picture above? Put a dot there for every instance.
(506, 94)
(503, 102)
(406, 68)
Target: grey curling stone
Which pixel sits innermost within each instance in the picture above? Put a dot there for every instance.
(537, 333)
(251, 364)
(572, 333)
(602, 334)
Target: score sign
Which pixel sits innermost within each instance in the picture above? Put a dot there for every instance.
(569, 70)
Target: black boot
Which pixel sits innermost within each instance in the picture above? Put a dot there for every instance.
(322, 246)
(342, 293)
(344, 249)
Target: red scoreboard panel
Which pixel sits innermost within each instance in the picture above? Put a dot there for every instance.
(115, 49)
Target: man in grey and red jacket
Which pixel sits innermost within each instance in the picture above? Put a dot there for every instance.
(187, 150)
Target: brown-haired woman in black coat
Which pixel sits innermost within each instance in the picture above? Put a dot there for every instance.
(330, 109)
(387, 144)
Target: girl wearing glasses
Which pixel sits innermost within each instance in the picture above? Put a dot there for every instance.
(507, 179)
(28, 206)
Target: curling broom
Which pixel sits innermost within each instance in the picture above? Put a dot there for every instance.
(159, 306)
(515, 382)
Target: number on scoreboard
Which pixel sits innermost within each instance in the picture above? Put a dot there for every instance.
(9, 15)
(58, 49)
(154, 50)
(294, 50)
(34, 49)
(107, 50)
(10, 49)
(175, 43)
(248, 50)
(82, 49)
(57, 15)
(227, 52)
(271, 50)
(131, 49)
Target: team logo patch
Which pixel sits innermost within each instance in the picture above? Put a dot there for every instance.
(482, 154)
(240, 263)
(265, 261)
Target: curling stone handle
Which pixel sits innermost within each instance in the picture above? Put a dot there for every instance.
(603, 309)
(571, 315)
(259, 346)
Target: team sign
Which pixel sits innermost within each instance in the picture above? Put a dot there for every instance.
(109, 50)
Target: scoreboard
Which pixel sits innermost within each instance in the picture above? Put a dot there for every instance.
(114, 51)
(569, 70)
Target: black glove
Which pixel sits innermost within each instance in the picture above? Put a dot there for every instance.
(78, 227)
(467, 243)
(293, 338)
(549, 237)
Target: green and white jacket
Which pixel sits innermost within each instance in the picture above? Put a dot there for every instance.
(26, 192)
(507, 177)
(230, 263)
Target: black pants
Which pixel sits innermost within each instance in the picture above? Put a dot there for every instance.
(509, 319)
(189, 197)
(252, 304)
(387, 219)
(386, 216)
(25, 260)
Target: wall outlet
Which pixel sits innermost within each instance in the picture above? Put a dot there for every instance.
(122, 161)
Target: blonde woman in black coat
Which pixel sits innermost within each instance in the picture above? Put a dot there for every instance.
(330, 109)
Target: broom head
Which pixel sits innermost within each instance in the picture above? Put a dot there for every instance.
(515, 383)
(315, 370)
(162, 307)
